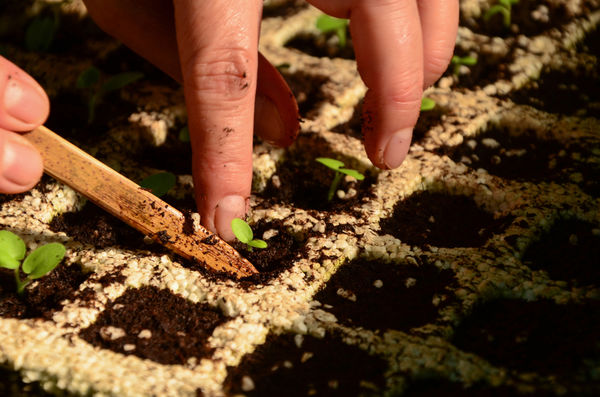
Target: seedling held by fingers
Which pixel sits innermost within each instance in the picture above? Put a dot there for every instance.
(339, 26)
(337, 166)
(37, 264)
(503, 7)
(89, 80)
(160, 183)
(457, 62)
(427, 104)
(243, 232)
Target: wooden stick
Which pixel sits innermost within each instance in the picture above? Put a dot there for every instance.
(137, 207)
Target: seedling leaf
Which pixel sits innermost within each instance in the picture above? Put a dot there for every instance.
(88, 78)
(120, 80)
(352, 173)
(40, 33)
(12, 246)
(326, 23)
(331, 163)
(257, 243)
(242, 230)
(160, 183)
(43, 260)
(7, 261)
(427, 104)
(184, 134)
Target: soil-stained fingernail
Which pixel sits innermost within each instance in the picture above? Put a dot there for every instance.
(25, 100)
(21, 163)
(395, 151)
(267, 121)
(228, 208)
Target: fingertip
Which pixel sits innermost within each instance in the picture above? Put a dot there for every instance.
(21, 165)
(227, 209)
(24, 104)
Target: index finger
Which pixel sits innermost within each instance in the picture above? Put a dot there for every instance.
(218, 54)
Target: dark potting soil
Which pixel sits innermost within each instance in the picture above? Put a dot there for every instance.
(522, 19)
(490, 68)
(179, 329)
(279, 255)
(568, 92)
(43, 297)
(307, 89)
(569, 251)
(435, 387)
(539, 336)
(442, 220)
(319, 46)
(427, 120)
(12, 385)
(379, 296)
(527, 158)
(304, 183)
(280, 367)
(92, 225)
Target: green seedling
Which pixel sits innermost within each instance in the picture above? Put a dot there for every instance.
(89, 80)
(184, 134)
(503, 7)
(427, 104)
(160, 183)
(337, 166)
(243, 232)
(339, 26)
(457, 62)
(41, 31)
(37, 264)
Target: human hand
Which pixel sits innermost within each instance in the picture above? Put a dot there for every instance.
(401, 47)
(230, 89)
(24, 106)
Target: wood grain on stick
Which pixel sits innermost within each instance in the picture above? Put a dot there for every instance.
(137, 207)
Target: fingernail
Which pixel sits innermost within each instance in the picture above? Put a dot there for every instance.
(228, 208)
(267, 121)
(20, 163)
(395, 152)
(25, 101)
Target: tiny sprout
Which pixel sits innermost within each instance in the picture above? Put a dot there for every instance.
(457, 62)
(427, 104)
(327, 24)
(89, 80)
(337, 165)
(37, 264)
(41, 31)
(503, 7)
(243, 232)
(184, 134)
(160, 183)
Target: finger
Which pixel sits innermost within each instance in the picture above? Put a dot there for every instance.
(389, 54)
(276, 117)
(219, 63)
(23, 103)
(20, 163)
(150, 31)
(439, 23)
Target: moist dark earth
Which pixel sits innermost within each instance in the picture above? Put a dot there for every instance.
(178, 329)
(282, 366)
(443, 220)
(361, 285)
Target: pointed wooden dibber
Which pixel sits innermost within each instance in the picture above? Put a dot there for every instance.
(137, 207)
